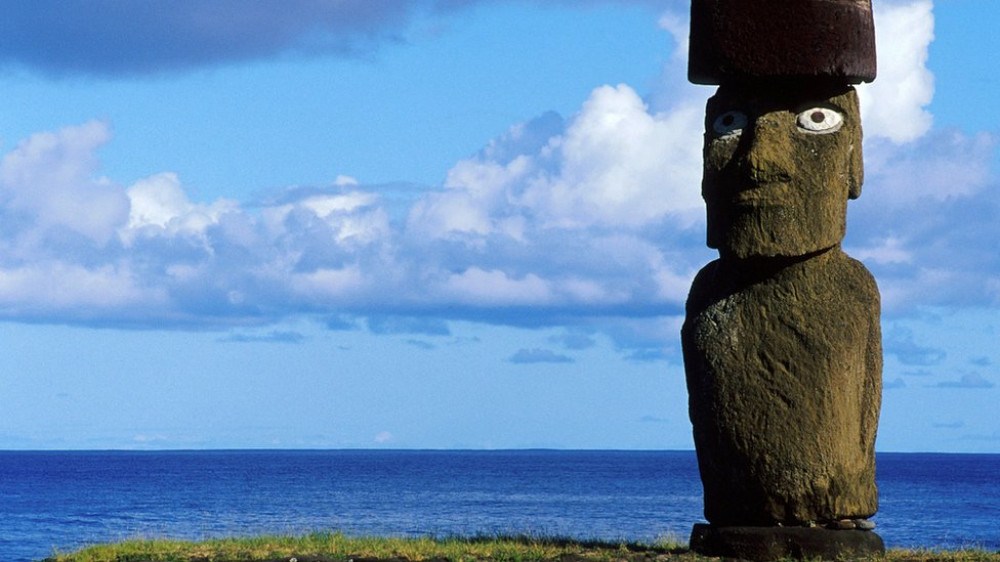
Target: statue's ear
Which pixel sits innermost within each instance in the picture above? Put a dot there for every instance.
(856, 172)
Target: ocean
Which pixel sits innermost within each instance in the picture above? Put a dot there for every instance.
(64, 500)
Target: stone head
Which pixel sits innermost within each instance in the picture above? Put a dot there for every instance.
(780, 164)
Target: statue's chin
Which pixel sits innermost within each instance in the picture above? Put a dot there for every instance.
(771, 232)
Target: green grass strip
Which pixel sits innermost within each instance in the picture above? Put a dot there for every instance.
(340, 547)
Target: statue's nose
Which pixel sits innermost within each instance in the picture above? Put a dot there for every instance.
(768, 155)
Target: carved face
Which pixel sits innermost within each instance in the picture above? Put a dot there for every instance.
(779, 169)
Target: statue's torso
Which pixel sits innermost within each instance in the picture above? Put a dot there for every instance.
(784, 377)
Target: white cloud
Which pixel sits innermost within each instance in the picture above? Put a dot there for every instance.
(157, 201)
(327, 286)
(350, 217)
(478, 287)
(583, 291)
(924, 223)
(73, 292)
(353, 215)
(679, 28)
(477, 200)
(917, 286)
(159, 206)
(345, 181)
(617, 164)
(889, 250)
(47, 182)
(894, 105)
(939, 167)
(326, 205)
(593, 219)
(930, 201)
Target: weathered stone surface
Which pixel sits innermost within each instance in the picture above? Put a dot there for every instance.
(746, 40)
(783, 361)
(763, 544)
(782, 345)
(774, 187)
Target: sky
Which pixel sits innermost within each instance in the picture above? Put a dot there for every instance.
(438, 223)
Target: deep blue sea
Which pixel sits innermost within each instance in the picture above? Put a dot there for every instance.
(65, 500)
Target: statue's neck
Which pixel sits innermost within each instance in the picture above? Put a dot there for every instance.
(757, 268)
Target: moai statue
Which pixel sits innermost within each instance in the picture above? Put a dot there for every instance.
(782, 345)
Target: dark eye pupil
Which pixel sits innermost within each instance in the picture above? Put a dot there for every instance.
(817, 117)
(728, 120)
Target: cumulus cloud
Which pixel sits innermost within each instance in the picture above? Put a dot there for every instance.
(939, 167)
(615, 163)
(591, 220)
(930, 197)
(563, 218)
(496, 287)
(613, 166)
(49, 177)
(158, 206)
(922, 224)
(894, 105)
(54, 290)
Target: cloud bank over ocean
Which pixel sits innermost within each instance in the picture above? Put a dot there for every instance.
(559, 221)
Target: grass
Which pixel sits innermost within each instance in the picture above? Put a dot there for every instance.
(339, 547)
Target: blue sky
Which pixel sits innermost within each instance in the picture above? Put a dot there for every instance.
(437, 224)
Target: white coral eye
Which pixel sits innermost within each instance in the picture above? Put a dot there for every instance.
(730, 123)
(820, 120)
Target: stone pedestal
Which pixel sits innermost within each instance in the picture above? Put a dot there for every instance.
(766, 544)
